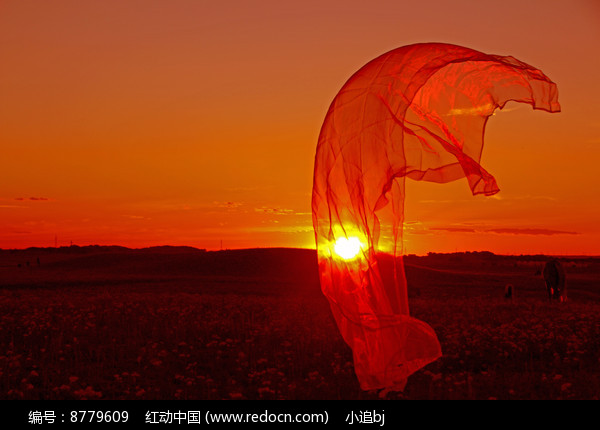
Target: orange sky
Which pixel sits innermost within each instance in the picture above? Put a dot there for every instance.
(146, 123)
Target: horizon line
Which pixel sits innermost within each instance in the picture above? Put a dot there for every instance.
(62, 247)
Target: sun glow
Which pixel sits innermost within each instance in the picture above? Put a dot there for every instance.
(347, 248)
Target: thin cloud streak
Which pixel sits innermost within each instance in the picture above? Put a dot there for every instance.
(529, 231)
(505, 230)
(40, 199)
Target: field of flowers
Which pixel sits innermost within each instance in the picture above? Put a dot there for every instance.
(168, 340)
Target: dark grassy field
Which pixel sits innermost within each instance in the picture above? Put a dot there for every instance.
(179, 323)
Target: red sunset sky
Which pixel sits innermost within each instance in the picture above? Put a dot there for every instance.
(143, 123)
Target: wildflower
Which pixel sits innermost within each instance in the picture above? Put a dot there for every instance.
(265, 390)
(88, 393)
(313, 375)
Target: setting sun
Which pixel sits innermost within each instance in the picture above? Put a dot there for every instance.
(347, 248)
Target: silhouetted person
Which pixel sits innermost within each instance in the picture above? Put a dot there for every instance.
(554, 275)
(509, 291)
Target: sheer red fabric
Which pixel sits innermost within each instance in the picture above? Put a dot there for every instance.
(418, 111)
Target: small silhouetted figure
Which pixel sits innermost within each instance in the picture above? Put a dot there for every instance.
(509, 291)
(554, 275)
(38, 261)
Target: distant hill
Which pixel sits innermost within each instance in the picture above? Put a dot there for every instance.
(156, 263)
(254, 262)
(274, 270)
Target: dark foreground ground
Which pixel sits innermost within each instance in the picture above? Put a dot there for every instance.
(179, 323)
